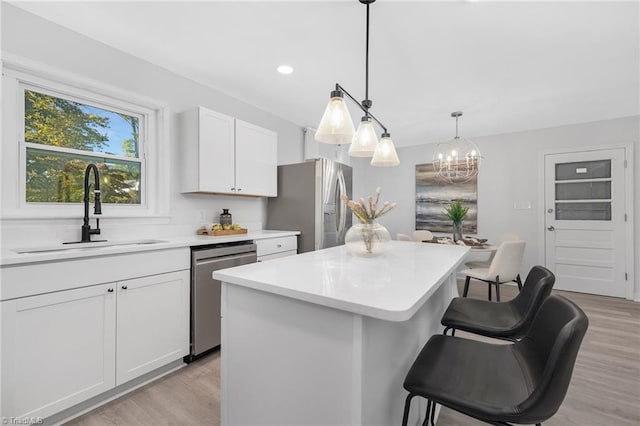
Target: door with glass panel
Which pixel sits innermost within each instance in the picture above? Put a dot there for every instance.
(585, 239)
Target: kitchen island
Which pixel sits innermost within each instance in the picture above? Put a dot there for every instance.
(327, 337)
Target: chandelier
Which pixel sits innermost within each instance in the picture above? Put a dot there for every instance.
(457, 160)
(336, 126)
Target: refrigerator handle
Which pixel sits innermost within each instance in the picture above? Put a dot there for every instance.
(341, 217)
(337, 201)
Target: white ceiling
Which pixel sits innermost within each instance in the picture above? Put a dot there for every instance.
(509, 66)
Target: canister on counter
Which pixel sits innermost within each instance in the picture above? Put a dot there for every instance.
(225, 217)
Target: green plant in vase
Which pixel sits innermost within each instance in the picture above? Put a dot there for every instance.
(456, 212)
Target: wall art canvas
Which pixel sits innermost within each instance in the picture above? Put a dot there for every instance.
(433, 195)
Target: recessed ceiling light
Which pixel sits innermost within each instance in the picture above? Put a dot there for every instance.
(285, 69)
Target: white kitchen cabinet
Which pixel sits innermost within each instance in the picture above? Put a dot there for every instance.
(62, 348)
(152, 323)
(273, 248)
(58, 350)
(222, 154)
(256, 160)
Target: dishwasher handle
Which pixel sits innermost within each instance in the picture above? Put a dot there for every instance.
(207, 253)
(217, 263)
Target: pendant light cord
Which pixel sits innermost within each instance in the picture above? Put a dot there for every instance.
(366, 72)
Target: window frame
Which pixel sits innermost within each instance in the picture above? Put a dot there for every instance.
(143, 118)
(153, 128)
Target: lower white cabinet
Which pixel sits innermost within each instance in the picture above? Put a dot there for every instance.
(58, 350)
(62, 348)
(152, 323)
(272, 248)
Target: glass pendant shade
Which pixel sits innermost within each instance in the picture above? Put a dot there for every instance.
(336, 126)
(365, 140)
(385, 155)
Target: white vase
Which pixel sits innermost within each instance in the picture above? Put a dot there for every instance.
(367, 238)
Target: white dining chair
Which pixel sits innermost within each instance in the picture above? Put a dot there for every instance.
(485, 263)
(422, 235)
(403, 237)
(504, 267)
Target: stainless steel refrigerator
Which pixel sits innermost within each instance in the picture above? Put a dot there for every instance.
(309, 201)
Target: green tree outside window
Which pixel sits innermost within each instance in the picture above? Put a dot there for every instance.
(63, 136)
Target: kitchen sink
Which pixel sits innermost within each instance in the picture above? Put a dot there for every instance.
(87, 246)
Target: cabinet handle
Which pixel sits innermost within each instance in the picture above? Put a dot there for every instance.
(279, 245)
(110, 290)
(124, 287)
(233, 189)
(239, 189)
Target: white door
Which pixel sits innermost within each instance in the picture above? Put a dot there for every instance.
(58, 350)
(585, 238)
(153, 323)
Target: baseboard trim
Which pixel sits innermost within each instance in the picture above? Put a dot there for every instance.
(115, 393)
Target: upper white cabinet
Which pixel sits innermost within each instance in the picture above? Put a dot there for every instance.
(256, 160)
(221, 154)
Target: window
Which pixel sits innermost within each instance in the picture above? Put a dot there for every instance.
(62, 136)
(583, 190)
(55, 124)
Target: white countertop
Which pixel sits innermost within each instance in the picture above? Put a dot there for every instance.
(10, 255)
(391, 286)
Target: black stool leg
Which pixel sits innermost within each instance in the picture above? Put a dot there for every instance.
(466, 286)
(407, 406)
(433, 414)
(426, 416)
(489, 287)
(519, 281)
(497, 291)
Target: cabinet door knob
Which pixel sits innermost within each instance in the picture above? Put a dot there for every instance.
(239, 189)
(279, 245)
(233, 189)
(110, 290)
(124, 287)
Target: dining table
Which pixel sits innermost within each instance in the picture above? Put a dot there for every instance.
(477, 245)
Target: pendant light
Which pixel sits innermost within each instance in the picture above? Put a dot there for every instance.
(336, 126)
(385, 155)
(457, 160)
(365, 140)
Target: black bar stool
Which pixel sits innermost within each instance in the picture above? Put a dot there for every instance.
(524, 382)
(505, 320)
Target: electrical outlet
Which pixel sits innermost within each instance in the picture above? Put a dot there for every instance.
(201, 216)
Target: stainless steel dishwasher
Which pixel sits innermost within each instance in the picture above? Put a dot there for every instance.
(205, 291)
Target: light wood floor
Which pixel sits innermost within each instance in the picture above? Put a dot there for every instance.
(605, 388)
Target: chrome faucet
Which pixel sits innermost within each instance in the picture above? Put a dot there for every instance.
(97, 208)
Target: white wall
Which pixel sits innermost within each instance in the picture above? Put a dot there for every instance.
(511, 172)
(57, 47)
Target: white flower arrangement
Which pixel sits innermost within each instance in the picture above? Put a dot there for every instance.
(368, 215)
